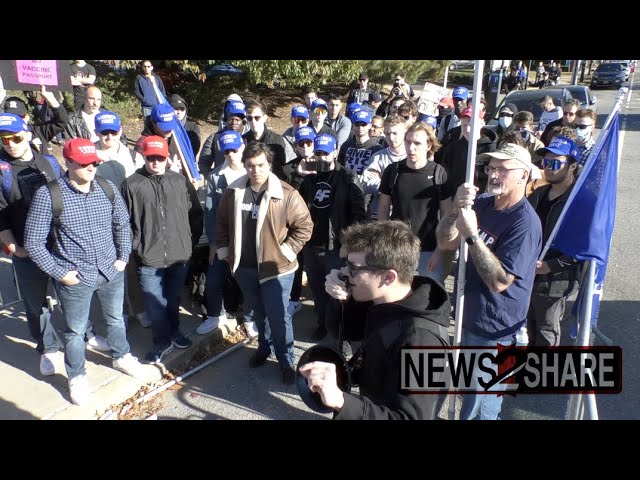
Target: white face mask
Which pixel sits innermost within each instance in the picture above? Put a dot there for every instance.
(505, 122)
(583, 134)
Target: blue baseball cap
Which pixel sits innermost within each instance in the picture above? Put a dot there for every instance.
(235, 108)
(361, 116)
(305, 133)
(230, 140)
(353, 108)
(106, 120)
(299, 111)
(561, 146)
(460, 92)
(318, 102)
(10, 122)
(428, 119)
(164, 117)
(324, 143)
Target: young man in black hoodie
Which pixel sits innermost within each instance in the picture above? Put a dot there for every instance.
(388, 308)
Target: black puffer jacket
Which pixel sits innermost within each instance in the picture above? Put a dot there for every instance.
(166, 217)
(421, 319)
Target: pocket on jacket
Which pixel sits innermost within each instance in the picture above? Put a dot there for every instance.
(288, 252)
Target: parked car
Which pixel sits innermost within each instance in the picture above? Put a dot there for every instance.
(461, 64)
(529, 100)
(608, 74)
(626, 68)
(582, 93)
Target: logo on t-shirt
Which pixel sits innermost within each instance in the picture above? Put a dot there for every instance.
(487, 238)
(358, 159)
(322, 198)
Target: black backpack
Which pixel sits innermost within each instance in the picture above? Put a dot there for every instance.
(57, 206)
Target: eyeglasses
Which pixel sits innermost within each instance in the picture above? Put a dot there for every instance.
(569, 114)
(500, 170)
(582, 127)
(554, 164)
(11, 138)
(505, 114)
(304, 143)
(156, 158)
(353, 269)
(113, 133)
(231, 150)
(255, 118)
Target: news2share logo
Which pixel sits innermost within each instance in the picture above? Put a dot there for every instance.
(511, 369)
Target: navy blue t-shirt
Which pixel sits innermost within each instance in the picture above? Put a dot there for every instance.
(514, 235)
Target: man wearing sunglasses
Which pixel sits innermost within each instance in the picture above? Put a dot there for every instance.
(166, 219)
(557, 274)
(89, 255)
(569, 110)
(386, 307)
(505, 238)
(585, 124)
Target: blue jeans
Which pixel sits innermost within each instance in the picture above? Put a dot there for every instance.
(216, 276)
(269, 299)
(33, 287)
(480, 407)
(162, 289)
(76, 304)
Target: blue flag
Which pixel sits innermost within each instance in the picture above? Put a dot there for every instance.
(587, 227)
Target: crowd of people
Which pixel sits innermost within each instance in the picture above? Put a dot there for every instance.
(367, 196)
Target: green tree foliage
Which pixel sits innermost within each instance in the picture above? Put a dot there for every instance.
(382, 71)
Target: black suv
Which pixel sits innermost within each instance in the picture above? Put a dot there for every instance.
(608, 74)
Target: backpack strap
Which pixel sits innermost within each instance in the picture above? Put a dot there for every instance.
(104, 184)
(53, 161)
(56, 203)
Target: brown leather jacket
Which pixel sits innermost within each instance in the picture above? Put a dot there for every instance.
(284, 225)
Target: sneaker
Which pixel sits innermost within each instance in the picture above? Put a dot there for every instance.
(294, 307)
(79, 390)
(98, 342)
(129, 364)
(156, 355)
(210, 324)
(319, 334)
(180, 341)
(288, 375)
(142, 318)
(250, 327)
(258, 359)
(47, 367)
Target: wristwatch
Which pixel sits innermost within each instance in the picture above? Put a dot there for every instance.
(472, 239)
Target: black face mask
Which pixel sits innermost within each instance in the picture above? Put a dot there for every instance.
(322, 166)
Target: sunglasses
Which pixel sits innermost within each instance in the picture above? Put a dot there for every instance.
(231, 150)
(254, 118)
(554, 164)
(319, 110)
(301, 119)
(304, 143)
(11, 138)
(155, 158)
(581, 127)
(113, 133)
(85, 165)
(353, 269)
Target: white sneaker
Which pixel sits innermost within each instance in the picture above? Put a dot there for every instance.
(129, 364)
(211, 323)
(47, 366)
(79, 390)
(142, 318)
(294, 307)
(250, 327)
(98, 342)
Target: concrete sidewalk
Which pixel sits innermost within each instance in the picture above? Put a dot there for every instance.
(26, 394)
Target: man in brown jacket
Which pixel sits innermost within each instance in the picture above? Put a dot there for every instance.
(262, 224)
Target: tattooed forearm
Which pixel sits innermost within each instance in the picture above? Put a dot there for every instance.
(447, 233)
(489, 268)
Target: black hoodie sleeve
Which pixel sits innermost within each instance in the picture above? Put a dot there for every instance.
(353, 315)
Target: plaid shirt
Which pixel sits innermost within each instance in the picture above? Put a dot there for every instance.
(93, 233)
(585, 149)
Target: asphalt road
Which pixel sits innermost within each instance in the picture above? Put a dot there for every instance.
(229, 389)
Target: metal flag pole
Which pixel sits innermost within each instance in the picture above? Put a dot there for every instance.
(462, 260)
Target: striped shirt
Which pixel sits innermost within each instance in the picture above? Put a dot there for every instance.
(93, 233)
